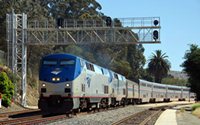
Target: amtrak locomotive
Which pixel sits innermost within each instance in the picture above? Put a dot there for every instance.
(68, 82)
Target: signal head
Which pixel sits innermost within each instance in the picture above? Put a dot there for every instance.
(155, 34)
(155, 22)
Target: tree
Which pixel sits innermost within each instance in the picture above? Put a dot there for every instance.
(33, 8)
(158, 65)
(191, 66)
(122, 67)
(174, 81)
(72, 9)
(135, 56)
(6, 88)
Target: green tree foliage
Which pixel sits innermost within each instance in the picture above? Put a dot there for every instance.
(6, 88)
(122, 67)
(75, 9)
(174, 81)
(145, 75)
(191, 66)
(125, 59)
(136, 59)
(33, 8)
(158, 65)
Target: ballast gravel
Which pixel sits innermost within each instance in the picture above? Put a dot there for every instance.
(102, 118)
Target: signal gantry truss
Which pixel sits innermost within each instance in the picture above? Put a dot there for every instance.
(21, 33)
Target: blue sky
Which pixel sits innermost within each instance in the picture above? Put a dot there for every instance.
(180, 23)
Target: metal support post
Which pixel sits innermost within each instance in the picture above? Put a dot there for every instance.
(17, 48)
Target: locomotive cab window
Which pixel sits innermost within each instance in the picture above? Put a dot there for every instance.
(49, 62)
(67, 62)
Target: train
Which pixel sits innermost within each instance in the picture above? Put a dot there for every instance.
(68, 82)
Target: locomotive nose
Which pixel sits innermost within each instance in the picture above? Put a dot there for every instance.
(56, 71)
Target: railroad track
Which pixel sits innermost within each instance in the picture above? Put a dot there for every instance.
(35, 117)
(146, 117)
(5, 116)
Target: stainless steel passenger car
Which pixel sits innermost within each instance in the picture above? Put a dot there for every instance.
(174, 92)
(145, 90)
(159, 92)
(132, 92)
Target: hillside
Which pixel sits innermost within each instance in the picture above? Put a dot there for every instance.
(178, 74)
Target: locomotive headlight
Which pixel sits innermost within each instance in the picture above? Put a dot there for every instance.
(67, 84)
(53, 79)
(58, 79)
(43, 84)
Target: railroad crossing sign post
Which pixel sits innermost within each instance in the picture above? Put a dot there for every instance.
(21, 33)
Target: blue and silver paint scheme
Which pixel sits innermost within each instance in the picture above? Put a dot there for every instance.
(57, 73)
(65, 79)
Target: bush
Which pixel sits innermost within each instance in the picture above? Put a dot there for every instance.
(195, 106)
(6, 101)
(6, 88)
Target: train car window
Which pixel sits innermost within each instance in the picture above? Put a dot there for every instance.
(49, 62)
(67, 62)
(83, 87)
(115, 75)
(90, 66)
(124, 91)
(159, 87)
(149, 85)
(110, 76)
(102, 71)
(105, 89)
(177, 89)
(186, 90)
(143, 84)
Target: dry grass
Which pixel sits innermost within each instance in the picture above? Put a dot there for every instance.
(196, 112)
(196, 109)
(32, 96)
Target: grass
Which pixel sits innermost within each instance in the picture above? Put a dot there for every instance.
(196, 109)
(182, 110)
(195, 106)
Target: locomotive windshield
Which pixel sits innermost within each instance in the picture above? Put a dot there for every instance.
(61, 63)
(67, 62)
(49, 62)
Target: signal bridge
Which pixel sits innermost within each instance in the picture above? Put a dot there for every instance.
(21, 33)
(124, 31)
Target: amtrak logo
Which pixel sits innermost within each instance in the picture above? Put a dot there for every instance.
(56, 72)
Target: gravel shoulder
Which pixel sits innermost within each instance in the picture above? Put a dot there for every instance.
(102, 118)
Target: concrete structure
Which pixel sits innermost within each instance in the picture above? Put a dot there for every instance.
(168, 117)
